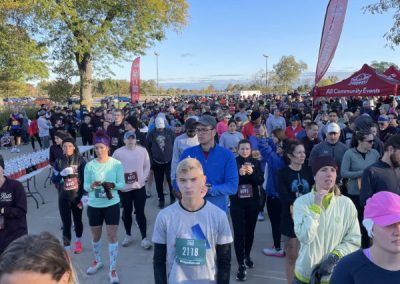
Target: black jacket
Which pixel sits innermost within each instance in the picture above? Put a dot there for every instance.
(13, 200)
(74, 161)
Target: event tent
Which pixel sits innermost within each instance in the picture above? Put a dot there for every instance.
(366, 82)
(392, 72)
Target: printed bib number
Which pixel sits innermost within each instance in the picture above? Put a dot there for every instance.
(114, 141)
(131, 178)
(71, 183)
(190, 252)
(245, 191)
(99, 192)
(15, 122)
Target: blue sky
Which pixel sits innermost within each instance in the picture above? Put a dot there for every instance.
(225, 40)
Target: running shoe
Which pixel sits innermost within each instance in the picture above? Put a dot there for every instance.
(78, 247)
(248, 262)
(94, 268)
(17, 150)
(274, 252)
(241, 275)
(261, 217)
(127, 240)
(13, 150)
(146, 244)
(112, 275)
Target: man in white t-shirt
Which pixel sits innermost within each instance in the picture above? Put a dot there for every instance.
(192, 238)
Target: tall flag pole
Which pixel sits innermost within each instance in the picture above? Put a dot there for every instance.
(135, 81)
(333, 24)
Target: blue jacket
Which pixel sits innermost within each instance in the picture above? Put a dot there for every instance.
(220, 170)
(275, 163)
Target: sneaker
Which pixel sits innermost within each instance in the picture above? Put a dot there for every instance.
(127, 240)
(13, 150)
(112, 275)
(274, 252)
(146, 244)
(94, 268)
(261, 217)
(17, 150)
(242, 274)
(248, 262)
(78, 247)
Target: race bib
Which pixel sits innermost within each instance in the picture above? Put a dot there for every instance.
(99, 192)
(190, 252)
(130, 178)
(245, 191)
(15, 122)
(114, 141)
(71, 183)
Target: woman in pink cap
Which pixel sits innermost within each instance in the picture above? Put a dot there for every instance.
(381, 262)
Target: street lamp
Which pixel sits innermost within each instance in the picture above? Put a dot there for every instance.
(157, 54)
(266, 70)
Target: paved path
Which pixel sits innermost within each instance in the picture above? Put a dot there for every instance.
(135, 263)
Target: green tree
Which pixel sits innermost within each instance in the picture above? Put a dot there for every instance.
(95, 32)
(287, 71)
(148, 88)
(393, 35)
(381, 66)
(61, 90)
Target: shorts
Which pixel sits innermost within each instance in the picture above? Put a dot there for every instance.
(108, 214)
(16, 132)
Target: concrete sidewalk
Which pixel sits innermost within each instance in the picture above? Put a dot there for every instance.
(135, 263)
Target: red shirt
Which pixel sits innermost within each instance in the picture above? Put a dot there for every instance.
(291, 133)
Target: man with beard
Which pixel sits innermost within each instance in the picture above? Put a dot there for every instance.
(384, 175)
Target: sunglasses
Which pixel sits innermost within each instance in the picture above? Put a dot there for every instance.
(369, 141)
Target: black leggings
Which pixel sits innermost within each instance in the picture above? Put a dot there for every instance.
(274, 208)
(33, 141)
(67, 207)
(244, 220)
(263, 198)
(161, 170)
(138, 197)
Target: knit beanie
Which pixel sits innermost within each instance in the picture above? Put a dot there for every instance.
(322, 161)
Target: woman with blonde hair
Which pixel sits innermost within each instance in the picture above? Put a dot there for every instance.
(36, 259)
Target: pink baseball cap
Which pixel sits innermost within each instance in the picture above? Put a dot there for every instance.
(383, 208)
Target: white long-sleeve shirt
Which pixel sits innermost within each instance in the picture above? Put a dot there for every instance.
(136, 164)
(181, 143)
(44, 126)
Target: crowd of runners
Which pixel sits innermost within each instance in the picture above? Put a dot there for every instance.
(328, 174)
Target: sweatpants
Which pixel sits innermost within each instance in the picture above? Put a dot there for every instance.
(274, 208)
(66, 207)
(244, 220)
(136, 197)
(161, 170)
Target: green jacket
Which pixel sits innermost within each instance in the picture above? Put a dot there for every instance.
(331, 229)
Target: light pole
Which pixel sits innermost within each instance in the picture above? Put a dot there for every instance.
(157, 54)
(266, 70)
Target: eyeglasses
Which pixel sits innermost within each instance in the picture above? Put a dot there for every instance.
(203, 130)
(369, 141)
